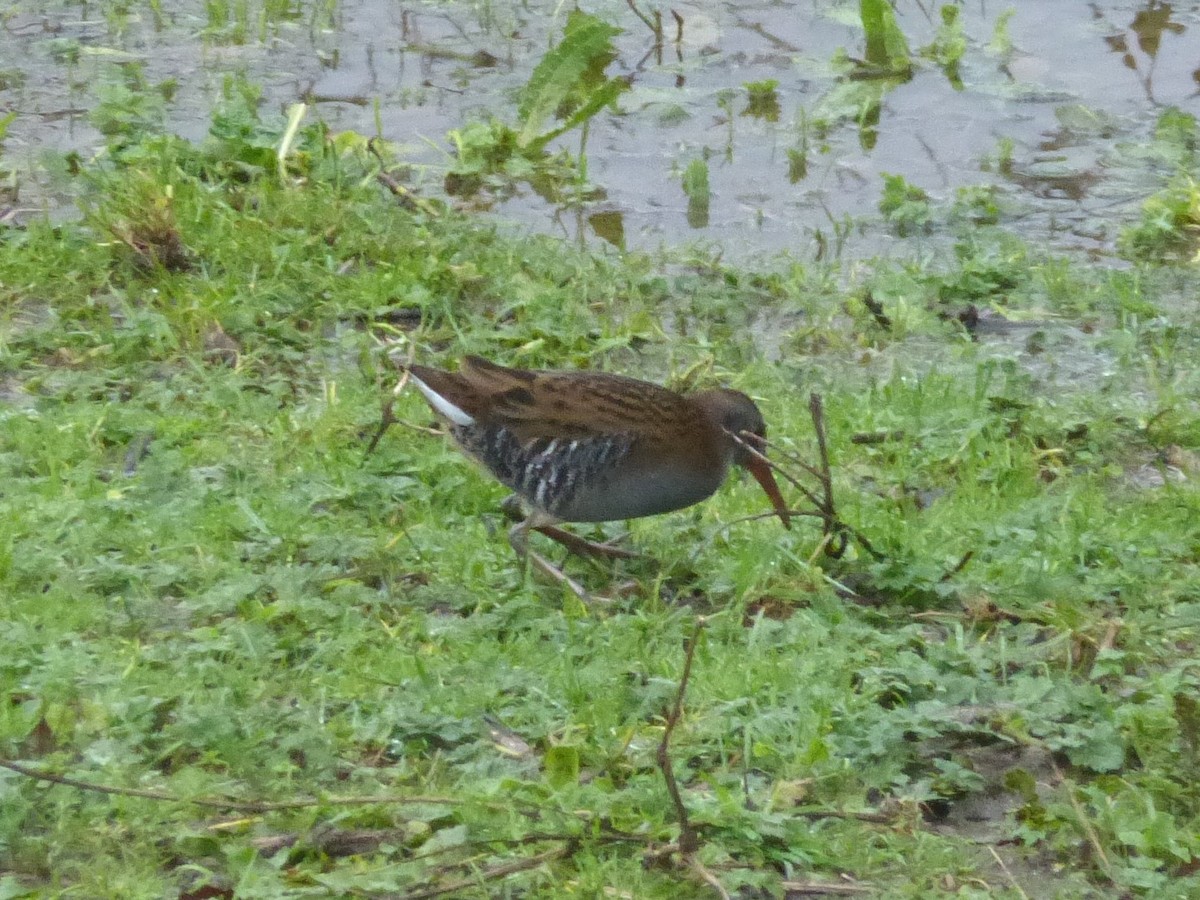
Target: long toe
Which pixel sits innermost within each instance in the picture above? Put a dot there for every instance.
(583, 547)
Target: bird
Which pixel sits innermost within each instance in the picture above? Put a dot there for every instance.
(584, 446)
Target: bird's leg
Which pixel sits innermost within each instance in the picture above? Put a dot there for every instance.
(582, 546)
(518, 537)
(573, 542)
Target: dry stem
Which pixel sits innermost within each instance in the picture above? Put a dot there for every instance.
(689, 841)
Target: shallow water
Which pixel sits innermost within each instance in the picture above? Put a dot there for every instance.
(1081, 86)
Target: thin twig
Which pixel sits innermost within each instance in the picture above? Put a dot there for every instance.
(689, 841)
(816, 409)
(1007, 874)
(786, 475)
(1088, 829)
(238, 805)
(958, 567)
(387, 419)
(405, 197)
(875, 817)
(834, 525)
(707, 877)
(331, 842)
(656, 31)
(792, 458)
(387, 416)
(754, 517)
(820, 888)
(876, 309)
(493, 874)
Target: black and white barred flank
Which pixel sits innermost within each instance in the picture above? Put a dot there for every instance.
(546, 472)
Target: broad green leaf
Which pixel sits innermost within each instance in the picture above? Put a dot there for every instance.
(11, 888)
(887, 47)
(596, 101)
(586, 44)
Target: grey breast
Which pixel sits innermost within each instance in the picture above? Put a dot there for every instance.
(648, 491)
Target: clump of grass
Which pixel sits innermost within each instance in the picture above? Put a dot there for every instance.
(905, 206)
(1169, 229)
(1170, 224)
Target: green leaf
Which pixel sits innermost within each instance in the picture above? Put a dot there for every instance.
(597, 100)
(586, 48)
(1102, 750)
(887, 48)
(5, 121)
(695, 181)
(443, 838)
(11, 888)
(695, 185)
(562, 766)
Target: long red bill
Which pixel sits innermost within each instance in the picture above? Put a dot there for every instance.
(761, 470)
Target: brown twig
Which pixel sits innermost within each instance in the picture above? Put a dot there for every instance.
(874, 817)
(678, 26)
(875, 308)
(784, 473)
(793, 459)
(655, 27)
(825, 509)
(816, 409)
(689, 841)
(387, 416)
(332, 842)
(706, 876)
(238, 805)
(389, 419)
(689, 838)
(493, 874)
(1007, 874)
(1085, 823)
(958, 567)
(405, 197)
(820, 888)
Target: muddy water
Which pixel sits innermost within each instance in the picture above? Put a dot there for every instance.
(1051, 121)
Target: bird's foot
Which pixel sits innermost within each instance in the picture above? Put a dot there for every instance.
(518, 537)
(511, 507)
(553, 572)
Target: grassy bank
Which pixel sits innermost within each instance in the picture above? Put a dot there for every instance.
(209, 592)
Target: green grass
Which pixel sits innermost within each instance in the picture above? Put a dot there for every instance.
(209, 592)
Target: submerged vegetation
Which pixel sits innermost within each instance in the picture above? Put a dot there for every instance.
(242, 657)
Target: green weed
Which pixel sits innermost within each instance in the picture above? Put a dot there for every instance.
(569, 85)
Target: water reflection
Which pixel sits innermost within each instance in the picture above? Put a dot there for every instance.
(1149, 25)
